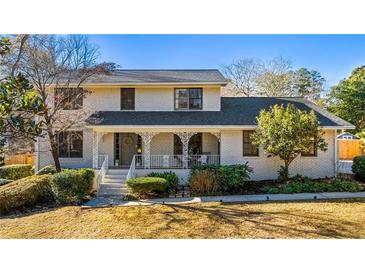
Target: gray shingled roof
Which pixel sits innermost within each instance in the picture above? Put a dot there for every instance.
(240, 111)
(161, 76)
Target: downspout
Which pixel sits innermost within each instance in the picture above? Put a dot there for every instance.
(336, 152)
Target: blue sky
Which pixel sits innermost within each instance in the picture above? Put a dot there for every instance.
(334, 56)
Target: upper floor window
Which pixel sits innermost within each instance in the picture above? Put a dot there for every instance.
(312, 151)
(188, 98)
(70, 144)
(249, 149)
(127, 98)
(69, 98)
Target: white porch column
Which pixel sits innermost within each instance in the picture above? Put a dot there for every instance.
(96, 136)
(146, 146)
(185, 137)
(96, 140)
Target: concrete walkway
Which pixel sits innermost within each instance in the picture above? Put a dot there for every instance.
(117, 201)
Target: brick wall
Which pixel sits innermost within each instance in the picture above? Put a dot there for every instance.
(266, 167)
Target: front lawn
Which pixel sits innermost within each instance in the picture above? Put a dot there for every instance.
(338, 219)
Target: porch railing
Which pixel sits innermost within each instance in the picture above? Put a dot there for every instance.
(132, 168)
(101, 159)
(103, 170)
(175, 161)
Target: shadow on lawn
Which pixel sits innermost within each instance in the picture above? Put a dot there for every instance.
(319, 224)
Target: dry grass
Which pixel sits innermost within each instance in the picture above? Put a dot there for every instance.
(340, 219)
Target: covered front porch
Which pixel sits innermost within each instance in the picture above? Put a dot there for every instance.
(157, 149)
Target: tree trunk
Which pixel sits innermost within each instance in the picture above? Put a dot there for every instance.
(286, 168)
(54, 151)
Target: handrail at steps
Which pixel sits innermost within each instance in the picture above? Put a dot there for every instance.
(132, 168)
(102, 172)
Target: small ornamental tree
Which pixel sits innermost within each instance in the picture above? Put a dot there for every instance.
(286, 132)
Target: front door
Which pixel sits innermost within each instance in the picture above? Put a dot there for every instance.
(124, 149)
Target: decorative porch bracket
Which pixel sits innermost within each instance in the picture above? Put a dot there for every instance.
(185, 137)
(217, 135)
(146, 145)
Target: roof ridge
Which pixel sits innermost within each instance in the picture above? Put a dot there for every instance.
(167, 70)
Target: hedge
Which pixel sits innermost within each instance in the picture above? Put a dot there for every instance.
(15, 172)
(28, 191)
(315, 186)
(145, 186)
(171, 178)
(358, 168)
(72, 185)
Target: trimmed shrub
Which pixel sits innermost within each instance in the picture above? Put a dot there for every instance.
(304, 185)
(270, 190)
(72, 185)
(230, 178)
(16, 172)
(170, 177)
(47, 170)
(5, 181)
(28, 191)
(358, 168)
(203, 182)
(147, 186)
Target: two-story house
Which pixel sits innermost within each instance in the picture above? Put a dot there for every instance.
(147, 120)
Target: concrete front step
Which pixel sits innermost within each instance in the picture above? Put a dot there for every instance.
(117, 171)
(115, 176)
(107, 180)
(113, 183)
(112, 189)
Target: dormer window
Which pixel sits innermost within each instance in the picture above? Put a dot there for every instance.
(188, 98)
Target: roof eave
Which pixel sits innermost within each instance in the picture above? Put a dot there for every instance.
(201, 126)
(148, 84)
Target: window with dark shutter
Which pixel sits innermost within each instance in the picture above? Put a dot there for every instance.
(188, 98)
(70, 144)
(127, 96)
(249, 149)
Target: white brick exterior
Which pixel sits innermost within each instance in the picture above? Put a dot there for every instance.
(147, 98)
(161, 98)
(266, 168)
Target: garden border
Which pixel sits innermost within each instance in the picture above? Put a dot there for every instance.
(116, 201)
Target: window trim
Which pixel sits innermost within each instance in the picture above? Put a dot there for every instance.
(134, 99)
(243, 146)
(188, 108)
(69, 145)
(307, 154)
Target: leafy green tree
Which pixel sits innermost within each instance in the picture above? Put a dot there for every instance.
(286, 132)
(19, 104)
(347, 99)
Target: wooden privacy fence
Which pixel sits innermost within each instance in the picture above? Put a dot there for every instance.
(348, 149)
(20, 159)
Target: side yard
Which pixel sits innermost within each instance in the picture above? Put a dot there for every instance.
(340, 219)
